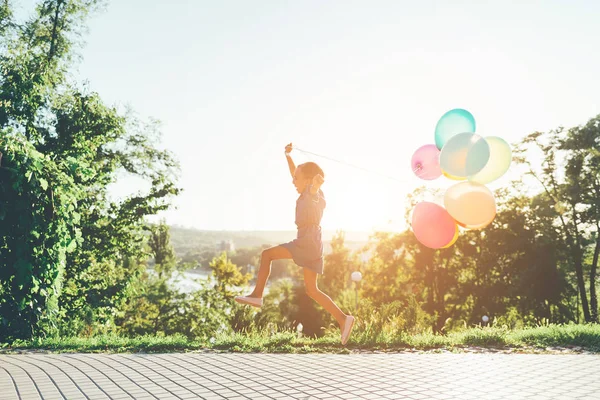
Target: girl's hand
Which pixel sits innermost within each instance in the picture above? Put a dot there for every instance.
(318, 181)
(288, 148)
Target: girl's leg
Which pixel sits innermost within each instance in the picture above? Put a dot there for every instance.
(310, 281)
(268, 255)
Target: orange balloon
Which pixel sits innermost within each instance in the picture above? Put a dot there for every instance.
(454, 178)
(472, 205)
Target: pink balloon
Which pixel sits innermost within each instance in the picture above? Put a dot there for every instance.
(426, 162)
(432, 225)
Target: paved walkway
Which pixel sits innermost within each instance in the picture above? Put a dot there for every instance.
(299, 376)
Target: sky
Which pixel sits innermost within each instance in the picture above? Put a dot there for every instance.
(233, 82)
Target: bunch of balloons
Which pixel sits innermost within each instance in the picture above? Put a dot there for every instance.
(459, 154)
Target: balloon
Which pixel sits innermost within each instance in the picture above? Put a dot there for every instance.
(472, 205)
(426, 162)
(464, 155)
(432, 225)
(453, 122)
(454, 239)
(454, 178)
(500, 158)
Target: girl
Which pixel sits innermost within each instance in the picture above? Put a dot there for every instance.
(307, 249)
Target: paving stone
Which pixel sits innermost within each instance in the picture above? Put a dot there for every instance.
(298, 376)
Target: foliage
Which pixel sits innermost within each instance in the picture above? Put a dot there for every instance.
(38, 226)
(162, 250)
(62, 147)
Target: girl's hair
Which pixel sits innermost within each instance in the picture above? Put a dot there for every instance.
(311, 169)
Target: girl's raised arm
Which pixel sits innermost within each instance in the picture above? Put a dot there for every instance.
(290, 162)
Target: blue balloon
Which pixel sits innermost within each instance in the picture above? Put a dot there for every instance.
(453, 122)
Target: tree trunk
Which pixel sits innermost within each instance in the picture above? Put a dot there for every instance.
(428, 264)
(574, 244)
(430, 293)
(439, 303)
(54, 30)
(578, 250)
(593, 298)
(581, 286)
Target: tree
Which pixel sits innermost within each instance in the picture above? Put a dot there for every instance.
(227, 275)
(339, 265)
(573, 195)
(162, 250)
(583, 185)
(38, 227)
(62, 148)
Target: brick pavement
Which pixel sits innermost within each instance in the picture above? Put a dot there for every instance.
(299, 376)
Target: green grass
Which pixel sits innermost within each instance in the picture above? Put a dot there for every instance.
(586, 337)
(107, 343)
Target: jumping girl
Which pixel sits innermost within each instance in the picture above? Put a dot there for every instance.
(307, 249)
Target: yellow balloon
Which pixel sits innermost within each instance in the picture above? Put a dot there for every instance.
(454, 239)
(472, 205)
(454, 178)
(498, 164)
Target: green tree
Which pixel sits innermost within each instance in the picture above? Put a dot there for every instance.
(569, 179)
(62, 148)
(38, 227)
(339, 265)
(227, 276)
(162, 250)
(158, 309)
(583, 185)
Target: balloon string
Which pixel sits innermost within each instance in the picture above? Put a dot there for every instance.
(415, 170)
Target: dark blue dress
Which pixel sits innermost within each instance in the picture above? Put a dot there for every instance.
(307, 248)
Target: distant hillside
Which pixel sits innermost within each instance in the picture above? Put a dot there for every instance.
(186, 239)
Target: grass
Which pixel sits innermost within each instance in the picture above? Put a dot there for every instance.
(107, 343)
(583, 337)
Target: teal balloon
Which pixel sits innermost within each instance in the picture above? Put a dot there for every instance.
(464, 155)
(452, 123)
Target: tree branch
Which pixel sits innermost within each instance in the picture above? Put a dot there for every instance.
(54, 30)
